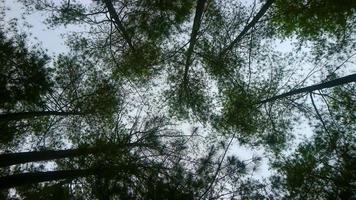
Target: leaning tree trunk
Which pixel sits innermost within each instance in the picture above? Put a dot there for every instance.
(8, 159)
(118, 24)
(193, 36)
(37, 177)
(108, 171)
(31, 114)
(328, 84)
(250, 25)
(34, 156)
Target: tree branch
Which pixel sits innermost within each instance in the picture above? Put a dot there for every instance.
(317, 113)
(218, 169)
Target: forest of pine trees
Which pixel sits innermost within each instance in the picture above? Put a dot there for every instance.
(161, 99)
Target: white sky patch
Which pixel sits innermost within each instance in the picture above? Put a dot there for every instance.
(51, 39)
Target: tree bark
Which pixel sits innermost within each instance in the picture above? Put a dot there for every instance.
(31, 114)
(193, 36)
(118, 23)
(37, 177)
(328, 84)
(253, 22)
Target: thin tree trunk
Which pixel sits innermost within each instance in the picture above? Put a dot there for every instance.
(31, 114)
(9, 159)
(193, 36)
(27, 178)
(37, 177)
(260, 13)
(328, 84)
(118, 23)
(34, 156)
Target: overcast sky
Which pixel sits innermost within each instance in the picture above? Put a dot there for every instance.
(50, 39)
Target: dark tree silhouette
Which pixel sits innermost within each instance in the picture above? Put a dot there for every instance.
(327, 84)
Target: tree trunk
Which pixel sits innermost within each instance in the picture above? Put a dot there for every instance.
(37, 177)
(34, 156)
(120, 27)
(328, 84)
(260, 13)
(31, 114)
(193, 36)
(8, 159)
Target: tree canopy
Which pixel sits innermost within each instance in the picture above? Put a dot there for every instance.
(158, 99)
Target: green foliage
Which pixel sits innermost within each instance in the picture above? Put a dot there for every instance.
(188, 99)
(240, 111)
(322, 166)
(58, 191)
(345, 104)
(139, 64)
(312, 18)
(155, 18)
(84, 88)
(24, 79)
(69, 13)
(218, 67)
